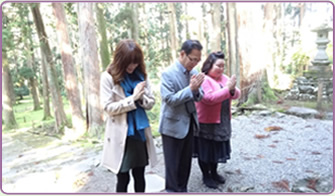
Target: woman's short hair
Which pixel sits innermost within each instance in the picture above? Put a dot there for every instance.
(211, 59)
(189, 45)
(126, 52)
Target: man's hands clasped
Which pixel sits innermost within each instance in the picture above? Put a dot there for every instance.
(196, 81)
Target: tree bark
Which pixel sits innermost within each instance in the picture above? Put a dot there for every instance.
(135, 29)
(52, 77)
(216, 24)
(104, 51)
(90, 62)
(272, 30)
(173, 31)
(8, 113)
(233, 57)
(46, 94)
(187, 28)
(27, 40)
(71, 85)
(145, 39)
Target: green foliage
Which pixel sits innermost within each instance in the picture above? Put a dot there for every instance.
(252, 100)
(59, 71)
(26, 72)
(26, 117)
(153, 115)
(21, 91)
(298, 62)
(268, 94)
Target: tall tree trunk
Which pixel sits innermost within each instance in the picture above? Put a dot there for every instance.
(173, 31)
(52, 77)
(205, 31)
(272, 30)
(78, 121)
(135, 29)
(27, 40)
(8, 113)
(90, 62)
(11, 89)
(145, 39)
(216, 24)
(104, 51)
(200, 30)
(233, 56)
(187, 28)
(46, 94)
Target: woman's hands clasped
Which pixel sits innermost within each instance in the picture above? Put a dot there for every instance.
(231, 83)
(139, 90)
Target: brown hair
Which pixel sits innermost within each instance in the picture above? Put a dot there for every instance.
(126, 52)
(211, 59)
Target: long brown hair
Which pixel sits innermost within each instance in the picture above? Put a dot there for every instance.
(126, 52)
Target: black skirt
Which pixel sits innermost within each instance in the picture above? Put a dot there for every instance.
(135, 155)
(211, 151)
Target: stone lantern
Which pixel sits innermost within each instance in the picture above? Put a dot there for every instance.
(320, 64)
(317, 82)
(320, 70)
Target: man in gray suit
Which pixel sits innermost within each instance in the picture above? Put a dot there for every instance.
(180, 87)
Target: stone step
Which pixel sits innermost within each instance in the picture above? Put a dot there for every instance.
(154, 184)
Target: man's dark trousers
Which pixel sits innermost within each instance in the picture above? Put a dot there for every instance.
(178, 160)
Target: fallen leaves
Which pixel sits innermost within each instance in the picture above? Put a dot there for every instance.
(272, 128)
(312, 184)
(291, 159)
(284, 184)
(260, 136)
(268, 129)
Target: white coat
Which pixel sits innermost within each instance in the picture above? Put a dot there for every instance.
(116, 105)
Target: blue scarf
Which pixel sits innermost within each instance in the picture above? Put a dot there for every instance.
(137, 119)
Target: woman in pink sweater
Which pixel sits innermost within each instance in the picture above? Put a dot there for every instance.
(212, 141)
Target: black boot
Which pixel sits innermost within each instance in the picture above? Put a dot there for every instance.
(207, 179)
(218, 178)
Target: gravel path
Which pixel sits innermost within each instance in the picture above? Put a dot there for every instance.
(301, 149)
(297, 155)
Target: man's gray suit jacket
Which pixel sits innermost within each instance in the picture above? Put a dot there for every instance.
(177, 101)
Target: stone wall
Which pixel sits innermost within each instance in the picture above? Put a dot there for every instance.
(306, 89)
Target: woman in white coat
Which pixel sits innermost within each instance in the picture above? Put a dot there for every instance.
(125, 95)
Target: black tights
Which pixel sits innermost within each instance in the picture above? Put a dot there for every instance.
(123, 180)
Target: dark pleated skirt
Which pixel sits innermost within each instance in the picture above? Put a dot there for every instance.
(136, 155)
(211, 151)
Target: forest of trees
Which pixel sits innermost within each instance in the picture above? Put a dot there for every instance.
(56, 51)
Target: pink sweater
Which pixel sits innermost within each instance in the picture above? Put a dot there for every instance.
(209, 108)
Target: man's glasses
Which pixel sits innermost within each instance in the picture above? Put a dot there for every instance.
(193, 59)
